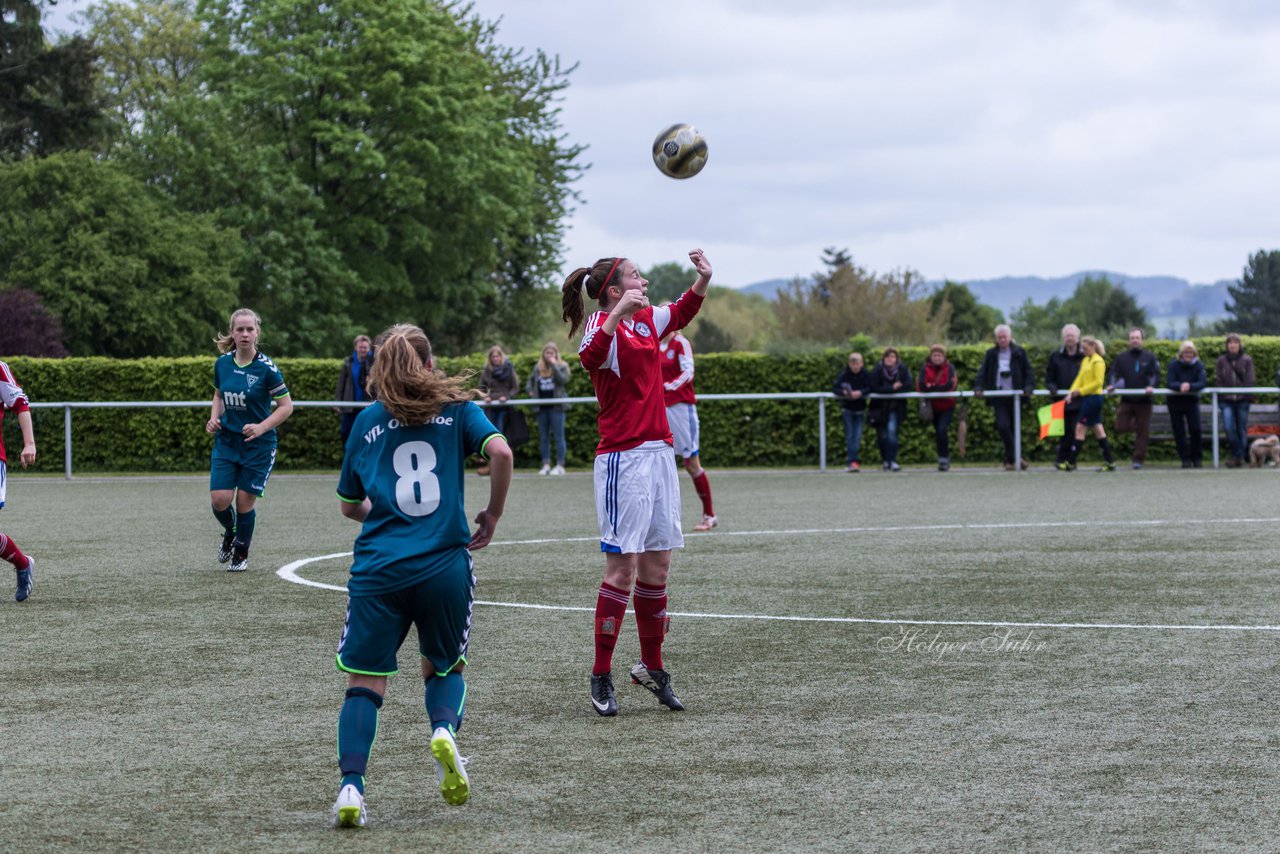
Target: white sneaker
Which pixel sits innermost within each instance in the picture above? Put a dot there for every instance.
(454, 784)
(348, 809)
(707, 523)
(558, 470)
(546, 469)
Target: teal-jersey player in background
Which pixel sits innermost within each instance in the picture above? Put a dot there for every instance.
(402, 477)
(243, 425)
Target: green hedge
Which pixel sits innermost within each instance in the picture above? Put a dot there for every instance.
(734, 433)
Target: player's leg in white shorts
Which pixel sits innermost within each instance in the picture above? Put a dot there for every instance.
(638, 500)
(682, 418)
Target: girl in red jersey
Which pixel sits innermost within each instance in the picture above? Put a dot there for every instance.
(14, 399)
(637, 491)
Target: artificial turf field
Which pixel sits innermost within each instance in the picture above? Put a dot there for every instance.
(968, 661)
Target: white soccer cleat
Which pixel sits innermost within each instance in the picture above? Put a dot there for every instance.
(452, 768)
(348, 809)
(707, 523)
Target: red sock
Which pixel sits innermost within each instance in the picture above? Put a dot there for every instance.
(703, 488)
(611, 607)
(9, 551)
(651, 622)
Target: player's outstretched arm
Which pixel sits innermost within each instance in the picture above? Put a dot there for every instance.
(703, 266)
(501, 462)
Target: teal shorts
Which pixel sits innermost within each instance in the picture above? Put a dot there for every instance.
(243, 466)
(440, 607)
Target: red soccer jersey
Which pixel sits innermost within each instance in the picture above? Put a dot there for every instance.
(627, 377)
(11, 397)
(677, 370)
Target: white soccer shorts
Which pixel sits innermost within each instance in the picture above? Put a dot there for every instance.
(683, 420)
(638, 500)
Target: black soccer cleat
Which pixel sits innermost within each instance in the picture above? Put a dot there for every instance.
(239, 560)
(602, 696)
(224, 550)
(657, 682)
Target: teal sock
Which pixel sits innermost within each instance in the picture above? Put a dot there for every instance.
(357, 729)
(445, 697)
(244, 528)
(226, 517)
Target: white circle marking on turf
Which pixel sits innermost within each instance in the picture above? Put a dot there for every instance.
(289, 572)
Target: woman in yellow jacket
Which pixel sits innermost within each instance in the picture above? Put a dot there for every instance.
(1088, 387)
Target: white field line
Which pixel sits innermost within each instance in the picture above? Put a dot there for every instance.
(289, 572)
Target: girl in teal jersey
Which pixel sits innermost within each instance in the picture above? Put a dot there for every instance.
(245, 383)
(402, 477)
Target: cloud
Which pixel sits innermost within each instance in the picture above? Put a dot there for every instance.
(962, 138)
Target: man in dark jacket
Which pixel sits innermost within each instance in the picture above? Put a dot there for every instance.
(1063, 366)
(353, 382)
(1005, 367)
(1135, 368)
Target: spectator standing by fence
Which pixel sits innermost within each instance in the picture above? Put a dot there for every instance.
(1005, 367)
(936, 375)
(890, 376)
(546, 382)
(1135, 368)
(1235, 370)
(499, 382)
(353, 382)
(1064, 364)
(1186, 378)
(852, 387)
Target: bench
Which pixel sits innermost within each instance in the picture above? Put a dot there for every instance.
(1263, 418)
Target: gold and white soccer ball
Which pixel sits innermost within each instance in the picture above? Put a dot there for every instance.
(680, 151)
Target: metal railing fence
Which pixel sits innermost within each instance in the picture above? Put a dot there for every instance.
(820, 396)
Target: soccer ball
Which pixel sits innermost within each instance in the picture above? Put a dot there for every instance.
(680, 151)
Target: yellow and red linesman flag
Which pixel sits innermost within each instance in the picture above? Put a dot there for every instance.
(1053, 419)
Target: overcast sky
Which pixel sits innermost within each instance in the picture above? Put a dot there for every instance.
(965, 139)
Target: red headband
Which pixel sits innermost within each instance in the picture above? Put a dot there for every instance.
(605, 282)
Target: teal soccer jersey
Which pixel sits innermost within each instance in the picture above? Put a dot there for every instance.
(413, 477)
(247, 392)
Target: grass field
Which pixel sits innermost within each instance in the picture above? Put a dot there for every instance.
(970, 661)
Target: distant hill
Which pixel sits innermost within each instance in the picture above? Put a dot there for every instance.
(1159, 295)
(1168, 300)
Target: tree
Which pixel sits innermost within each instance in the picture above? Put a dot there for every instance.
(971, 321)
(848, 299)
(1097, 306)
(125, 273)
(28, 329)
(668, 281)
(382, 162)
(48, 97)
(1255, 299)
(149, 54)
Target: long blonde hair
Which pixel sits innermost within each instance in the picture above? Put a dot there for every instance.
(544, 368)
(226, 343)
(407, 383)
(1097, 346)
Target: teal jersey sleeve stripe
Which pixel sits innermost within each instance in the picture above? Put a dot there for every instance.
(485, 444)
(342, 497)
